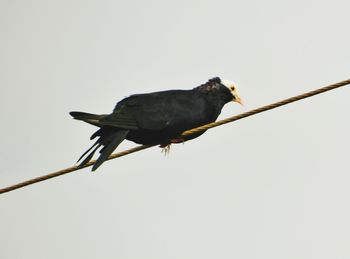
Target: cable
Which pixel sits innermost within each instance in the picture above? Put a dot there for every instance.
(185, 134)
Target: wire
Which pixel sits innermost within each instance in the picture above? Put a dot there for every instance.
(185, 134)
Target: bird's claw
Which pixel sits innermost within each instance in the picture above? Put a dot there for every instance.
(166, 147)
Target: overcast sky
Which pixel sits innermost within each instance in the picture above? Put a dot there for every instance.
(276, 185)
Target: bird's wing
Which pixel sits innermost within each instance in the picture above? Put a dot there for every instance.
(177, 110)
(144, 111)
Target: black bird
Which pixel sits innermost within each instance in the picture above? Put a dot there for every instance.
(157, 118)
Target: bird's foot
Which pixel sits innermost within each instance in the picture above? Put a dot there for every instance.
(166, 147)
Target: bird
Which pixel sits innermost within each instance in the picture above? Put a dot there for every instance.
(157, 118)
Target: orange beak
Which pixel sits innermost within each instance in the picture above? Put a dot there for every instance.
(238, 100)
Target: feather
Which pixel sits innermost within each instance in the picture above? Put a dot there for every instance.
(88, 158)
(117, 138)
(90, 118)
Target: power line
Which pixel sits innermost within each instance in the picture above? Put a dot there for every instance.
(185, 134)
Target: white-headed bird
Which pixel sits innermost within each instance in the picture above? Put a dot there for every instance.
(158, 117)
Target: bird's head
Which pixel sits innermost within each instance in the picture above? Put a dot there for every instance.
(233, 90)
(224, 89)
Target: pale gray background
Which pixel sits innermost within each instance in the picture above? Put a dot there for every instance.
(276, 185)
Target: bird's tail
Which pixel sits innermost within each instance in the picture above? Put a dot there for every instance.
(90, 118)
(109, 138)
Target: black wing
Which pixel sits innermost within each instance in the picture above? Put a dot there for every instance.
(138, 111)
(180, 109)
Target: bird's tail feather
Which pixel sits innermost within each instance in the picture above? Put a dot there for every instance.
(109, 138)
(88, 157)
(88, 117)
(107, 150)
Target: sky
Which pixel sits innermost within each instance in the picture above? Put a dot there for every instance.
(275, 185)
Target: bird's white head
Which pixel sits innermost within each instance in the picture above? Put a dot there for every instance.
(233, 89)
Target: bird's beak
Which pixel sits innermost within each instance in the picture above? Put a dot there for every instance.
(238, 100)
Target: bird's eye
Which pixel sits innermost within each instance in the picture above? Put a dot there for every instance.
(232, 88)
